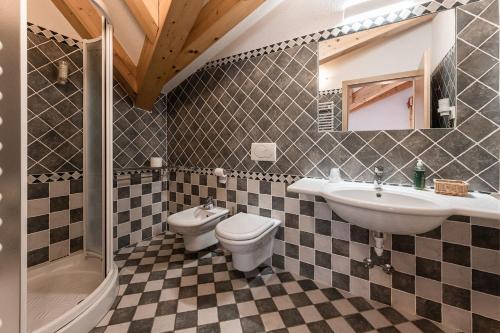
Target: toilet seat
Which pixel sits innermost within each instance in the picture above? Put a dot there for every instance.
(243, 226)
(249, 238)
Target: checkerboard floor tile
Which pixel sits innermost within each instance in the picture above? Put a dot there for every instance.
(163, 288)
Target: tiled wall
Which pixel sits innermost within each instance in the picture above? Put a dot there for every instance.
(334, 96)
(55, 152)
(140, 207)
(55, 156)
(443, 84)
(216, 114)
(55, 220)
(140, 195)
(138, 135)
(449, 275)
(55, 112)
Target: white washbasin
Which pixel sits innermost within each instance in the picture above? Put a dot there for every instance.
(399, 209)
(394, 209)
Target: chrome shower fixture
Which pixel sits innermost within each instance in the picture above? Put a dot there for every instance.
(62, 72)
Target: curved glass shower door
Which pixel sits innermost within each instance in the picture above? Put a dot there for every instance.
(94, 148)
(72, 291)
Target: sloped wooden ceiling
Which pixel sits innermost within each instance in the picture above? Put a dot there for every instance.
(176, 33)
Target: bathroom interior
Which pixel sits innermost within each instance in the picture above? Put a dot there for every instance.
(249, 166)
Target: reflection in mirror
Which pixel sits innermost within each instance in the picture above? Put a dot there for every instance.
(397, 76)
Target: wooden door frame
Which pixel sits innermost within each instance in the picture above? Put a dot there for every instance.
(348, 85)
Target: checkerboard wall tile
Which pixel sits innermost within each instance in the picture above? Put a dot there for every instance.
(55, 220)
(163, 288)
(446, 275)
(140, 207)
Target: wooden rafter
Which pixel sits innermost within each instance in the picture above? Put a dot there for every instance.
(373, 93)
(163, 59)
(144, 17)
(335, 48)
(177, 18)
(87, 22)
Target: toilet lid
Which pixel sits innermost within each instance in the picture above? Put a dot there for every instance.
(243, 226)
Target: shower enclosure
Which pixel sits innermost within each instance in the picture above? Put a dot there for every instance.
(64, 292)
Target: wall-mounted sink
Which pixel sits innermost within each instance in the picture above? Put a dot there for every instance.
(396, 209)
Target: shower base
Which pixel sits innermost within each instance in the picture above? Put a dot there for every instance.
(61, 291)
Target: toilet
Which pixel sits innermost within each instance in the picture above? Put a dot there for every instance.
(196, 225)
(249, 238)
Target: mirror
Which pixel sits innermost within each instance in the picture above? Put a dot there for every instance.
(397, 76)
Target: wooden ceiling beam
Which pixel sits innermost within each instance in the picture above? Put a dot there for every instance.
(374, 93)
(85, 19)
(176, 19)
(334, 48)
(142, 14)
(215, 19)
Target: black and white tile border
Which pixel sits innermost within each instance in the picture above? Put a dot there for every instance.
(281, 178)
(54, 177)
(330, 92)
(392, 17)
(138, 171)
(54, 35)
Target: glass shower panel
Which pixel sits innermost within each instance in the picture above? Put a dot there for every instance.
(13, 117)
(94, 167)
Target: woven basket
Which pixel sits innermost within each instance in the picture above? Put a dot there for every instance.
(451, 187)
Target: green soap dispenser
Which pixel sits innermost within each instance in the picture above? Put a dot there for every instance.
(419, 176)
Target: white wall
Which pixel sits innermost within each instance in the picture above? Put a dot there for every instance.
(294, 18)
(402, 52)
(126, 28)
(45, 14)
(389, 113)
(398, 54)
(443, 36)
(290, 19)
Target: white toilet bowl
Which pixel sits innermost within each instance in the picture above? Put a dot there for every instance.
(196, 225)
(249, 238)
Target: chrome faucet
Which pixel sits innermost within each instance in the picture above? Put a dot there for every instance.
(379, 173)
(209, 203)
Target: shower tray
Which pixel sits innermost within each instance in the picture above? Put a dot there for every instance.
(56, 288)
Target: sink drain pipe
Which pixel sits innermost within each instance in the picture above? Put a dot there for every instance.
(379, 243)
(379, 251)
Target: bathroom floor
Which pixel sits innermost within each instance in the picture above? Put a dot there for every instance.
(165, 289)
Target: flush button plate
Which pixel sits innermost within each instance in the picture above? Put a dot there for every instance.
(263, 152)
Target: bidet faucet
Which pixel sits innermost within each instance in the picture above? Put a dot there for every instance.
(379, 173)
(209, 203)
